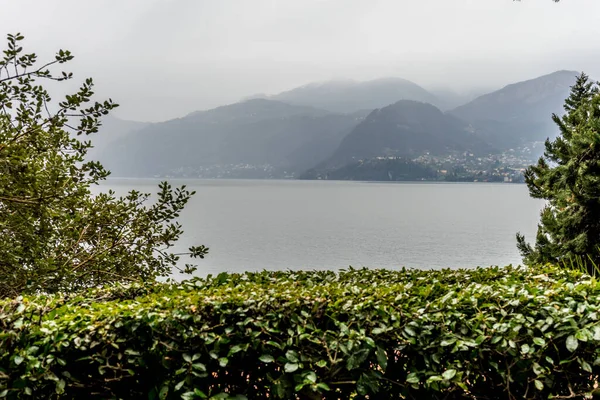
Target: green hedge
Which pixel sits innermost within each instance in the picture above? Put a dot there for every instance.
(493, 333)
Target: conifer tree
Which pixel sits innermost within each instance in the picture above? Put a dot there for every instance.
(567, 176)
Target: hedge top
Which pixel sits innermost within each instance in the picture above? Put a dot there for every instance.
(483, 333)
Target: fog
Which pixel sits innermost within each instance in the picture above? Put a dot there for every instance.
(162, 59)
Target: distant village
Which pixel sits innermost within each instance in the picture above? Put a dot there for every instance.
(506, 167)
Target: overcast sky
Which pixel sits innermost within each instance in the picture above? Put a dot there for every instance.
(162, 59)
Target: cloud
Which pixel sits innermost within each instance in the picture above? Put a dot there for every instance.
(164, 58)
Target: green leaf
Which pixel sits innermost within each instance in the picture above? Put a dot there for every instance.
(266, 358)
(449, 374)
(435, 378)
(311, 377)
(410, 331)
(581, 335)
(291, 356)
(539, 341)
(223, 361)
(538, 384)
(164, 392)
(378, 331)
(321, 363)
(412, 378)
(572, 343)
(60, 386)
(356, 359)
(234, 349)
(199, 367)
(537, 369)
(18, 359)
(290, 367)
(187, 358)
(221, 396)
(381, 358)
(280, 389)
(586, 367)
(299, 387)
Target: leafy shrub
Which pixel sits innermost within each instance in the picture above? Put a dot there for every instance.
(493, 333)
(55, 234)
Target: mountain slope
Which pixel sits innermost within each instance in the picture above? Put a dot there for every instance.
(406, 128)
(521, 112)
(351, 96)
(256, 134)
(112, 130)
(447, 99)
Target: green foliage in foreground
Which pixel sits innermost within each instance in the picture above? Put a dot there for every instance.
(568, 178)
(495, 333)
(54, 234)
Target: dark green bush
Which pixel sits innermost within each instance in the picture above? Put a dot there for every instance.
(494, 333)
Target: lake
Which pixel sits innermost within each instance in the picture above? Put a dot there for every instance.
(264, 224)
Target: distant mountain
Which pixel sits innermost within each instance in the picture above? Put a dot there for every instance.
(407, 129)
(256, 136)
(447, 99)
(349, 96)
(312, 127)
(113, 129)
(521, 112)
(252, 110)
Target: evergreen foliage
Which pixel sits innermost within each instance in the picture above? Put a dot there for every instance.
(55, 235)
(488, 333)
(568, 178)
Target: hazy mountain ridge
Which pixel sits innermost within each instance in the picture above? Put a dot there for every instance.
(406, 128)
(346, 96)
(112, 131)
(256, 132)
(263, 132)
(449, 99)
(253, 110)
(520, 112)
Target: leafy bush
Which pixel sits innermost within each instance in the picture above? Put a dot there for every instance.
(492, 333)
(55, 234)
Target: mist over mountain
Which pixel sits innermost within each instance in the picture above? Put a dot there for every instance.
(267, 138)
(346, 96)
(521, 112)
(447, 99)
(259, 137)
(113, 129)
(407, 128)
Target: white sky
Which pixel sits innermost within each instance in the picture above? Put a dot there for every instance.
(164, 58)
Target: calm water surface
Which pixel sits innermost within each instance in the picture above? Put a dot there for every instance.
(254, 225)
